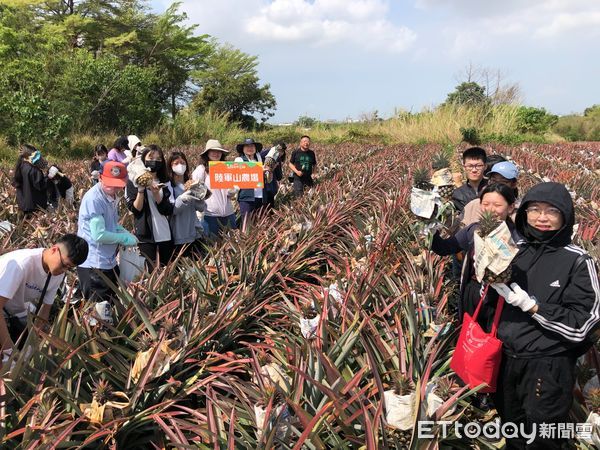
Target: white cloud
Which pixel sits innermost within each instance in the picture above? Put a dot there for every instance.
(566, 22)
(362, 23)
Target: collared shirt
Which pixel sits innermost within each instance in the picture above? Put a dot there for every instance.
(96, 203)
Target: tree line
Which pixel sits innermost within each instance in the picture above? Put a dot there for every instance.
(93, 66)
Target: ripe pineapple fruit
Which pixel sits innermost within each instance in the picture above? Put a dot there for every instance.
(446, 191)
(421, 179)
(488, 222)
(145, 180)
(189, 184)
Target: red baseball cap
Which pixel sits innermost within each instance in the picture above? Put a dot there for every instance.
(114, 174)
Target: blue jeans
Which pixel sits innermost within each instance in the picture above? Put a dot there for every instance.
(214, 225)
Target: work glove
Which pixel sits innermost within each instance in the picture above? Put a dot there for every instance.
(515, 296)
(184, 199)
(231, 193)
(127, 239)
(95, 175)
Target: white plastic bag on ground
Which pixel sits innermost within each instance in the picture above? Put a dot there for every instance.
(284, 420)
(308, 327)
(6, 227)
(400, 410)
(131, 264)
(434, 401)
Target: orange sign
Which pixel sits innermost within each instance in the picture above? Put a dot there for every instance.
(228, 174)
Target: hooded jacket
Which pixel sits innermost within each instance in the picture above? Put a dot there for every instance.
(560, 276)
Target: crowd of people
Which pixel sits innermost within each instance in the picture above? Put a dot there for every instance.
(553, 298)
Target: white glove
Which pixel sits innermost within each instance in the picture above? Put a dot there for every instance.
(184, 199)
(233, 192)
(95, 175)
(515, 296)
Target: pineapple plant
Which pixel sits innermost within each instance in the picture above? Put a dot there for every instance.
(593, 400)
(488, 222)
(421, 179)
(399, 403)
(102, 391)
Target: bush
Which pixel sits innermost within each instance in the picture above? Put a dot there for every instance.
(579, 128)
(471, 135)
(534, 120)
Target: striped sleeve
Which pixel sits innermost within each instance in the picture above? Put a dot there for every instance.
(579, 310)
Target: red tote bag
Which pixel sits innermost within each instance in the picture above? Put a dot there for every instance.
(478, 354)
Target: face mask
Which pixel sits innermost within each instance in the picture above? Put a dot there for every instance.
(154, 166)
(179, 169)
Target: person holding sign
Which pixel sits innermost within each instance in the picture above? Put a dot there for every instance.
(553, 308)
(249, 199)
(219, 213)
(303, 163)
(498, 199)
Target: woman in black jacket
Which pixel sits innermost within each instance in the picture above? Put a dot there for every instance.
(553, 307)
(151, 208)
(30, 181)
(499, 199)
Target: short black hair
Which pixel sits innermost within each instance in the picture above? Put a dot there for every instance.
(491, 160)
(305, 136)
(474, 153)
(505, 191)
(77, 248)
(122, 143)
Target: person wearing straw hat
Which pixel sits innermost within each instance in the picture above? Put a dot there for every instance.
(219, 212)
(249, 199)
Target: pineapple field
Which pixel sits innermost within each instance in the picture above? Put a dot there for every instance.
(325, 324)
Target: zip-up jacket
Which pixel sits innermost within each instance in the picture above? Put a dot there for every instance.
(561, 277)
(466, 193)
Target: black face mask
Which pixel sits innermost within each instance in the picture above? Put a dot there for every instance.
(154, 166)
(536, 236)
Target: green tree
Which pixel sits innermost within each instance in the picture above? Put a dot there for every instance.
(468, 93)
(176, 52)
(230, 84)
(534, 120)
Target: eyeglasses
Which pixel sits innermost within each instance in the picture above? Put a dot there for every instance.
(62, 263)
(535, 212)
(474, 166)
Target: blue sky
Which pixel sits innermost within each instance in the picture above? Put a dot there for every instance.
(334, 59)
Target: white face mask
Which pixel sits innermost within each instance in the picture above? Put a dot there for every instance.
(179, 169)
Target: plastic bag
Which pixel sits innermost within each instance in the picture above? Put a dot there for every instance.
(400, 410)
(495, 252)
(131, 264)
(423, 203)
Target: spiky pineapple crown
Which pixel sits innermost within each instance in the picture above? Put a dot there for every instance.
(440, 161)
(421, 175)
(488, 222)
(403, 385)
(102, 391)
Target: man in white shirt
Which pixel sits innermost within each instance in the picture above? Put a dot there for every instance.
(27, 275)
